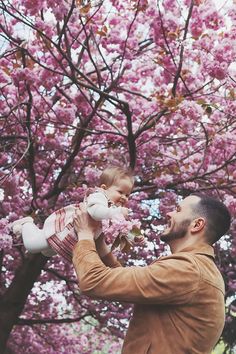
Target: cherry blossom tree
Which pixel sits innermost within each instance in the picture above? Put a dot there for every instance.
(85, 84)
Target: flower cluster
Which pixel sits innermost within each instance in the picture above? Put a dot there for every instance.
(122, 233)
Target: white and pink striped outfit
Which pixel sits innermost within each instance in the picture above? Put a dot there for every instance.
(58, 235)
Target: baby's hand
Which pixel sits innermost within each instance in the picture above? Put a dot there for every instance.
(125, 212)
(139, 240)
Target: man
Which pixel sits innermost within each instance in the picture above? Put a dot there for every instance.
(179, 299)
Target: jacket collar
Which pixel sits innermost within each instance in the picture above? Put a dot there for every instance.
(204, 249)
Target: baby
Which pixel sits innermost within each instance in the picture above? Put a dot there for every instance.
(58, 235)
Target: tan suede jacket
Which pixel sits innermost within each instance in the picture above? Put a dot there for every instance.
(179, 299)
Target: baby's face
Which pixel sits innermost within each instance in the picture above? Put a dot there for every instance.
(119, 192)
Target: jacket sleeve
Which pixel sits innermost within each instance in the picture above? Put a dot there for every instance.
(110, 261)
(171, 280)
(98, 209)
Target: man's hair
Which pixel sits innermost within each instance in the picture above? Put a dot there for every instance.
(216, 214)
(114, 173)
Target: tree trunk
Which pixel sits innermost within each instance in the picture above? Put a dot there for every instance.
(13, 300)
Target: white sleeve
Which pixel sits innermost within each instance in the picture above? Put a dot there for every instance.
(98, 209)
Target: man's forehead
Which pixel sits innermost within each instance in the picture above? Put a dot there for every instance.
(190, 200)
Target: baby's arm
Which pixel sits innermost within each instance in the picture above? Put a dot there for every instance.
(98, 209)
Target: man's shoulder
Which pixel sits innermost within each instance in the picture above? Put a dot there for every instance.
(178, 256)
(197, 264)
(178, 262)
(196, 259)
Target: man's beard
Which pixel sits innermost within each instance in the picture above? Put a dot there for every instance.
(179, 231)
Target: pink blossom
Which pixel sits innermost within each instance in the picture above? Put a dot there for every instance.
(219, 72)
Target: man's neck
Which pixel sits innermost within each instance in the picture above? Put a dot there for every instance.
(179, 244)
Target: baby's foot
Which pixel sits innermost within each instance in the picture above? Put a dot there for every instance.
(16, 226)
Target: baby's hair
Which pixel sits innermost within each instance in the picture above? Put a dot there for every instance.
(114, 173)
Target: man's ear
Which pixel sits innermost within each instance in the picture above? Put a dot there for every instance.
(198, 225)
(103, 186)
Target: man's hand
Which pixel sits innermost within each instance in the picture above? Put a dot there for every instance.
(85, 226)
(101, 246)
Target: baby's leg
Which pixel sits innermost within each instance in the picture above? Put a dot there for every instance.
(16, 226)
(34, 239)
